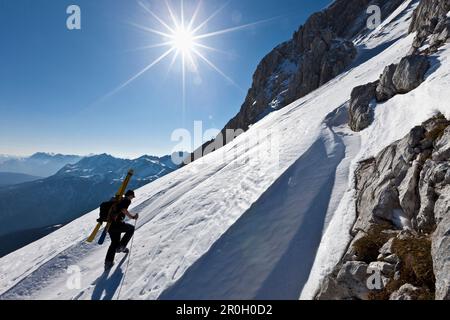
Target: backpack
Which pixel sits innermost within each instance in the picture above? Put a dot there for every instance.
(105, 208)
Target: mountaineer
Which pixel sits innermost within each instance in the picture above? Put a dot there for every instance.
(118, 226)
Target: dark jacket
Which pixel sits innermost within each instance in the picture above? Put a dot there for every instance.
(118, 214)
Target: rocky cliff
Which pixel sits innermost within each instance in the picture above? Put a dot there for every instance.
(402, 231)
(320, 50)
(432, 24)
(401, 238)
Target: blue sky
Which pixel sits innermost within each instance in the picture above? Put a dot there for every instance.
(54, 83)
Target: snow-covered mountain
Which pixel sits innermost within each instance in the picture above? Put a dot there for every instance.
(39, 164)
(107, 167)
(75, 189)
(319, 50)
(276, 212)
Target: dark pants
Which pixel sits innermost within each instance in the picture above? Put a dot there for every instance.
(115, 232)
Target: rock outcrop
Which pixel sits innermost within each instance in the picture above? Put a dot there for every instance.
(350, 282)
(319, 51)
(410, 73)
(396, 79)
(405, 292)
(402, 77)
(431, 22)
(386, 89)
(427, 13)
(361, 106)
(402, 229)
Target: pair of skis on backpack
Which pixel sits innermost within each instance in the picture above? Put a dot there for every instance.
(118, 197)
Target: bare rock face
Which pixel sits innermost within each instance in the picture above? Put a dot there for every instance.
(383, 267)
(386, 89)
(403, 220)
(353, 274)
(396, 79)
(403, 77)
(349, 283)
(441, 236)
(407, 191)
(403, 194)
(386, 249)
(324, 55)
(441, 245)
(405, 292)
(442, 146)
(428, 13)
(410, 73)
(441, 33)
(360, 110)
(386, 185)
(433, 175)
(393, 259)
(431, 23)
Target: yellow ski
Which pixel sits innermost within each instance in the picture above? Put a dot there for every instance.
(94, 232)
(118, 197)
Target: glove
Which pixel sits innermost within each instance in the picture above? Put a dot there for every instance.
(136, 216)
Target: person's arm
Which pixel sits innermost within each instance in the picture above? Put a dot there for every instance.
(129, 215)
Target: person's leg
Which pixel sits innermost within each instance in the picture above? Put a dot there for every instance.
(129, 231)
(115, 242)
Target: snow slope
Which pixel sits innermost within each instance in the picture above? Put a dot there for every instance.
(243, 222)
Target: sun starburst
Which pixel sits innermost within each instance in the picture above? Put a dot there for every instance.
(185, 41)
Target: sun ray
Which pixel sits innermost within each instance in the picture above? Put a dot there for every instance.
(140, 73)
(182, 14)
(194, 16)
(151, 30)
(156, 17)
(172, 62)
(151, 46)
(228, 30)
(174, 58)
(184, 85)
(200, 45)
(212, 65)
(192, 62)
(201, 25)
(172, 15)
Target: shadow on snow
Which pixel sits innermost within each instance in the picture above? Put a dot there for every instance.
(269, 252)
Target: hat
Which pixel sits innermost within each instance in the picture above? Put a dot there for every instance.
(129, 193)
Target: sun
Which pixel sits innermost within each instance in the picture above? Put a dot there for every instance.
(183, 40)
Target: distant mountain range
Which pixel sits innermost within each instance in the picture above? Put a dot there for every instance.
(12, 178)
(4, 157)
(39, 164)
(74, 190)
(104, 166)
